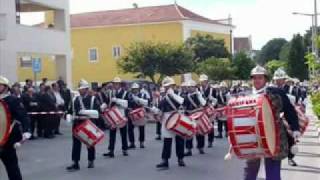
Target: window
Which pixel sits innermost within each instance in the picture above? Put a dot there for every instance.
(26, 62)
(93, 54)
(116, 52)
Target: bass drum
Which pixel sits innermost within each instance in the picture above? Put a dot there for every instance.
(5, 122)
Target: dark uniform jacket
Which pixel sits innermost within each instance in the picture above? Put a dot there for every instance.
(165, 106)
(31, 103)
(88, 104)
(18, 114)
(191, 102)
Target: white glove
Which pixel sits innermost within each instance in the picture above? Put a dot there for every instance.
(296, 134)
(17, 145)
(170, 91)
(155, 110)
(26, 135)
(113, 99)
(69, 118)
(103, 106)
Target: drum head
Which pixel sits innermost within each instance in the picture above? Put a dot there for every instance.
(172, 120)
(4, 122)
(269, 125)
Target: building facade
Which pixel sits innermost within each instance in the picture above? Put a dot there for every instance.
(99, 39)
(20, 43)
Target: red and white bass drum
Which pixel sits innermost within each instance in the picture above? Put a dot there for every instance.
(5, 123)
(252, 127)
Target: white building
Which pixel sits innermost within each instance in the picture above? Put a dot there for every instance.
(17, 40)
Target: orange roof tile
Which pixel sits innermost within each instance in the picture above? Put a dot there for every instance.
(151, 14)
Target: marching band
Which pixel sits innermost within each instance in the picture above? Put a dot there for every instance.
(180, 113)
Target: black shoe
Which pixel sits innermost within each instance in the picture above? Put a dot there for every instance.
(189, 153)
(219, 136)
(132, 146)
(210, 145)
(163, 165)
(33, 137)
(73, 167)
(291, 162)
(226, 135)
(158, 138)
(141, 145)
(201, 151)
(90, 164)
(109, 154)
(125, 153)
(58, 133)
(181, 163)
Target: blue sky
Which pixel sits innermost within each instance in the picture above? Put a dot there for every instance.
(262, 19)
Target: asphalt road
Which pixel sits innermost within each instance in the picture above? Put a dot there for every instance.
(44, 159)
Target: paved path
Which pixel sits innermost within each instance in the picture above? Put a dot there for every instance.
(46, 160)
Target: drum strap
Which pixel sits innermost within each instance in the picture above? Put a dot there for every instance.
(192, 101)
(171, 103)
(91, 102)
(124, 94)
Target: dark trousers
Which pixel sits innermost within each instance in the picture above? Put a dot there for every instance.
(57, 120)
(131, 132)
(290, 144)
(222, 124)
(272, 168)
(167, 146)
(9, 158)
(158, 130)
(200, 142)
(34, 123)
(211, 135)
(113, 134)
(40, 125)
(49, 123)
(76, 150)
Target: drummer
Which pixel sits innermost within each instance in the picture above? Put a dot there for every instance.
(136, 100)
(193, 102)
(281, 103)
(118, 98)
(222, 97)
(169, 104)
(208, 92)
(280, 77)
(19, 118)
(81, 103)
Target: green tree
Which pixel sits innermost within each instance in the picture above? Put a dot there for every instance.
(296, 63)
(284, 53)
(156, 60)
(205, 46)
(216, 69)
(273, 65)
(271, 50)
(242, 65)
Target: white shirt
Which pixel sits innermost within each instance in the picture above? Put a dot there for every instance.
(59, 99)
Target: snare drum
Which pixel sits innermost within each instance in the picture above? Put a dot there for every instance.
(210, 111)
(137, 116)
(114, 118)
(88, 133)
(252, 128)
(204, 126)
(181, 125)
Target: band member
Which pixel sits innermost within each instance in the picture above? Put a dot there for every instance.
(19, 120)
(119, 98)
(156, 102)
(82, 103)
(222, 97)
(136, 100)
(169, 104)
(280, 104)
(208, 93)
(193, 102)
(280, 77)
